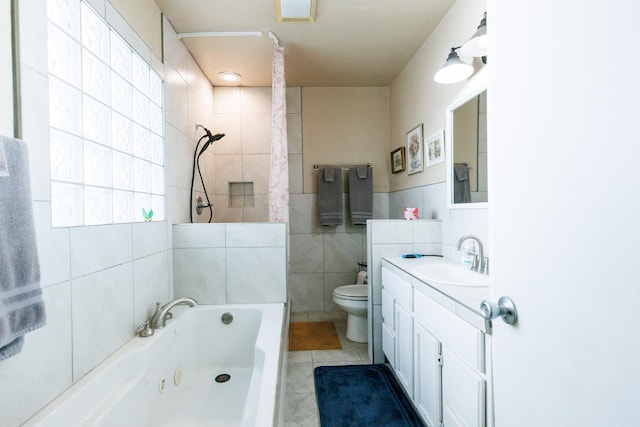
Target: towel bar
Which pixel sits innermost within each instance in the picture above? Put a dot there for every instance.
(343, 167)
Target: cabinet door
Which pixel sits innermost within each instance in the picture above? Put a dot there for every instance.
(389, 345)
(428, 376)
(404, 348)
(463, 392)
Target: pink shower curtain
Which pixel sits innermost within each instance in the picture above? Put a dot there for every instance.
(279, 171)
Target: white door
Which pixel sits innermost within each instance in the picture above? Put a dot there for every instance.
(564, 147)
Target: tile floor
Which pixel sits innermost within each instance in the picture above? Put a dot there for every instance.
(301, 408)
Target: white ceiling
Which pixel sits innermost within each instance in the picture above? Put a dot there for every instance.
(351, 43)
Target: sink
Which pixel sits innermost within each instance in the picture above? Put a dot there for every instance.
(450, 275)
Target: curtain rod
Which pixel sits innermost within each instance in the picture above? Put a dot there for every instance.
(343, 167)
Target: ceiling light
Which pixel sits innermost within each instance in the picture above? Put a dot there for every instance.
(296, 10)
(229, 77)
(453, 70)
(478, 43)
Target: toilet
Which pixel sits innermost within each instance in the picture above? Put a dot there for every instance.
(353, 299)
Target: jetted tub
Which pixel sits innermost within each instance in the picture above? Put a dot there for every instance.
(197, 371)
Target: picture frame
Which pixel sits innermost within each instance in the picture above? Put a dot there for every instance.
(415, 150)
(398, 160)
(434, 148)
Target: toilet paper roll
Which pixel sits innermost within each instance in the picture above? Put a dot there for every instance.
(362, 278)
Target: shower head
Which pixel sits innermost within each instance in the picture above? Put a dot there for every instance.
(211, 139)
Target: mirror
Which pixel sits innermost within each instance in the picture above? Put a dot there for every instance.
(467, 157)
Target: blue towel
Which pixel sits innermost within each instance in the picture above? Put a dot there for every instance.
(21, 305)
(330, 198)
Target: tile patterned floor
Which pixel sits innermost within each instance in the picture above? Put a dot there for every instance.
(301, 408)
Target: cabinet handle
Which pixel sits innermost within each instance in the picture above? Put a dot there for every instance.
(505, 308)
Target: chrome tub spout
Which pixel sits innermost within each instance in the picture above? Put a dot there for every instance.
(159, 318)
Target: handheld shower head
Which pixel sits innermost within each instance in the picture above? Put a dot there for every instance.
(196, 164)
(211, 139)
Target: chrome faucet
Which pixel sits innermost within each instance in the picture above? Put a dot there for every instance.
(480, 262)
(159, 318)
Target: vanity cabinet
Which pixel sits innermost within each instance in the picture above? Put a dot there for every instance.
(439, 358)
(460, 381)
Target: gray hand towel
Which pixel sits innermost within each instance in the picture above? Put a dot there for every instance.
(330, 198)
(461, 184)
(328, 174)
(21, 305)
(461, 170)
(361, 194)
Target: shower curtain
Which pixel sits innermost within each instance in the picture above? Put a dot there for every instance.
(279, 170)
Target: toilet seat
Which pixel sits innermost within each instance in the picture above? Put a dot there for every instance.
(351, 292)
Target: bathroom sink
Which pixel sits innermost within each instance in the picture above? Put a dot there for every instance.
(450, 275)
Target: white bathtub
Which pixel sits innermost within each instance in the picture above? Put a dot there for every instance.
(169, 379)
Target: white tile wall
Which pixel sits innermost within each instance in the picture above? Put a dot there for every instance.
(102, 315)
(44, 367)
(116, 272)
(386, 238)
(432, 202)
(256, 275)
(244, 115)
(100, 247)
(231, 263)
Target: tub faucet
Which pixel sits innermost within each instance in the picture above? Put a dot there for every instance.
(159, 318)
(480, 262)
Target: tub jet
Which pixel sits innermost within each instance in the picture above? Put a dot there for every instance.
(223, 378)
(227, 318)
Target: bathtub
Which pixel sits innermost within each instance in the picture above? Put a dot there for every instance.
(197, 371)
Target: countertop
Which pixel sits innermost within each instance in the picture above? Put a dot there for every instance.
(463, 301)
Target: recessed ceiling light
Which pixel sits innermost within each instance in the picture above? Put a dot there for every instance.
(296, 10)
(230, 77)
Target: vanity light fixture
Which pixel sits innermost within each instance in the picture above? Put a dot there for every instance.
(478, 43)
(230, 77)
(454, 69)
(296, 10)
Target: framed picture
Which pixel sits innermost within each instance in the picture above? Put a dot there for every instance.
(415, 148)
(398, 160)
(434, 148)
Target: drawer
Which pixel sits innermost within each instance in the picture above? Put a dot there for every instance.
(400, 289)
(467, 341)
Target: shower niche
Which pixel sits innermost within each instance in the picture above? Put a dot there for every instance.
(241, 195)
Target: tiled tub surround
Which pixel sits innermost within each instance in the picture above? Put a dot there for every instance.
(188, 354)
(392, 238)
(230, 263)
(99, 282)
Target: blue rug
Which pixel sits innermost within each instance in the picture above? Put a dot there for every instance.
(362, 395)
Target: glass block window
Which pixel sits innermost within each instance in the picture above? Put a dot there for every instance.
(106, 123)
(241, 194)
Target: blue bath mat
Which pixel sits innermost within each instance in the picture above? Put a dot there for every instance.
(362, 395)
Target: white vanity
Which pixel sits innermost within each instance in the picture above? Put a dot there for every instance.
(436, 339)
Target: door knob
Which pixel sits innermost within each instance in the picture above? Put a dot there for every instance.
(505, 308)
